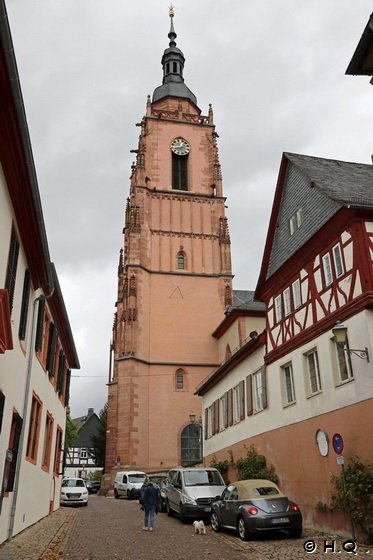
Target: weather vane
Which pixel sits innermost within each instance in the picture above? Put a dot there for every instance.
(171, 11)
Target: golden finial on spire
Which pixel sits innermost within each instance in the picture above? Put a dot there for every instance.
(171, 11)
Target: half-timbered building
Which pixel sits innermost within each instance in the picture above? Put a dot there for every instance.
(316, 277)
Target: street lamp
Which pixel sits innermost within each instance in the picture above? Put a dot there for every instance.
(192, 417)
(340, 335)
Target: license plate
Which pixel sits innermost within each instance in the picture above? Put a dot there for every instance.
(280, 520)
(207, 510)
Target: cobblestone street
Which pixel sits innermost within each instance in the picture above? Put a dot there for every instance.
(111, 529)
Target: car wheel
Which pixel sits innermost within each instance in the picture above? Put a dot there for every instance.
(242, 529)
(294, 533)
(215, 525)
(168, 509)
(116, 495)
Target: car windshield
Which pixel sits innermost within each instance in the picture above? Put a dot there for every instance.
(265, 491)
(73, 482)
(137, 477)
(202, 478)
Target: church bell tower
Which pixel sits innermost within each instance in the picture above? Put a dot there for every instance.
(174, 280)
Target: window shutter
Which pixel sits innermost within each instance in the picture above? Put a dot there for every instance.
(67, 393)
(216, 416)
(51, 353)
(230, 407)
(61, 370)
(10, 280)
(12, 469)
(24, 305)
(264, 386)
(242, 397)
(206, 423)
(2, 404)
(226, 410)
(40, 326)
(249, 395)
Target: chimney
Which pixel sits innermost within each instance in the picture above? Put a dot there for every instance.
(90, 412)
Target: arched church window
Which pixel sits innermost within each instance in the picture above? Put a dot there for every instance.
(180, 380)
(180, 172)
(191, 445)
(175, 67)
(181, 260)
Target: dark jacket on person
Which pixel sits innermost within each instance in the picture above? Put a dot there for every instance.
(150, 498)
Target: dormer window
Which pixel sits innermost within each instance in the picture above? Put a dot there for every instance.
(295, 221)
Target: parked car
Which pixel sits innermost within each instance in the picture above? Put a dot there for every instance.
(73, 492)
(93, 486)
(255, 506)
(190, 492)
(128, 484)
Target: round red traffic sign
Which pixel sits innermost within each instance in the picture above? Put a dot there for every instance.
(338, 445)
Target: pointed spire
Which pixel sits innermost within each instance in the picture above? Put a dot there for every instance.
(172, 35)
(173, 67)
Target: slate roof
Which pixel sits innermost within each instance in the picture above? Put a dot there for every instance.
(319, 188)
(245, 300)
(350, 184)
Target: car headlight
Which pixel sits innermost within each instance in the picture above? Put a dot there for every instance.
(189, 500)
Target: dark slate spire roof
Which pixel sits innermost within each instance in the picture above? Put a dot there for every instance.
(173, 66)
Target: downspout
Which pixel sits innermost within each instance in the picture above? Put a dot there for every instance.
(30, 353)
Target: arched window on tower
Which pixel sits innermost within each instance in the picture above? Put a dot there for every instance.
(180, 379)
(181, 260)
(191, 444)
(180, 172)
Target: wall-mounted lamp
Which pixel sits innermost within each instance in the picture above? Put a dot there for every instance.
(340, 335)
(192, 417)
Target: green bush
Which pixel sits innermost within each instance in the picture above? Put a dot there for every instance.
(255, 466)
(354, 495)
(222, 467)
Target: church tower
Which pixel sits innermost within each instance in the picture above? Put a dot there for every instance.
(174, 280)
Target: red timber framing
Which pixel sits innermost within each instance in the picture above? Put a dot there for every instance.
(322, 305)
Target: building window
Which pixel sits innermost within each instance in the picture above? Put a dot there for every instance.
(10, 466)
(181, 260)
(47, 442)
(278, 309)
(327, 269)
(238, 402)
(83, 454)
(34, 429)
(210, 421)
(314, 380)
(40, 326)
(24, 305)
(297, 301)
(288, 384)
(191, 445)
(344, 361)
(292, 225)
(260, 390)
(180, 380)
(11, 271)
(338, 262)
(51, 351)
(295, 221)
(223, 412)
(287, 302)
(57, 451)
(179, 172)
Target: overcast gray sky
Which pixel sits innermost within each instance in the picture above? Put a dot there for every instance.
(274, 73)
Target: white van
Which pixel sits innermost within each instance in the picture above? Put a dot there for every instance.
(191, 491)
(128, 484)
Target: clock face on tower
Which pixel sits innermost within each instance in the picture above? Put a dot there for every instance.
(180, 147)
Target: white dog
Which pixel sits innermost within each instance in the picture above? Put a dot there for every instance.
(199, 527)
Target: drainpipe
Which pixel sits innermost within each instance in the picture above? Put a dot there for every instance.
(30, 353)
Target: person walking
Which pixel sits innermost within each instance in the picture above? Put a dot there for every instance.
(150, 505)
